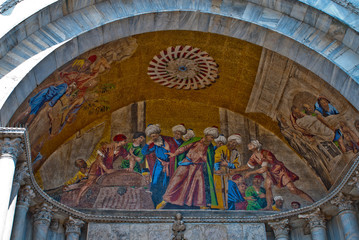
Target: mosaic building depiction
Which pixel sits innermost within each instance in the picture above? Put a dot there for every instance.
(204, 119)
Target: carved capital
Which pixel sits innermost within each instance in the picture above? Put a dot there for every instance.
(315, 219)
(25, 195)
(343, 202)
(21, 173)
(12, 147)
(354, 181)
(280, 228)
(74, 225)
(43, 214)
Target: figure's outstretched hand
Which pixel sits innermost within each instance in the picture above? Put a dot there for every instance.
(170, 154)
(247, 175)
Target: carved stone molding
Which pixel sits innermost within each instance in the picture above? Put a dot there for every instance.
(43, 214)
(8, 4)
(280, 228)
(54, 224)
(25, 195)
(354, 180)
(315, 219)
(178, 228)
(74, 225)
(343, 202)
(12, 147)
(21, 173)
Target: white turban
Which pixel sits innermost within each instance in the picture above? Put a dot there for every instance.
(190, 134)
(276, 198)
(256, 144)
(152, 128)
(236, 137)
(213, 131)
(221, 138)
(181, 128)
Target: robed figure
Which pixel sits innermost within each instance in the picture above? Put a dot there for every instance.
(192, 183)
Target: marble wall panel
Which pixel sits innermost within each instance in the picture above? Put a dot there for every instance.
(160, 231)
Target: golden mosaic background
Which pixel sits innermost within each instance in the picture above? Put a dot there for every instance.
(238, 63)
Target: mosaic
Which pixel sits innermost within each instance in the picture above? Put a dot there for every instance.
(183, 67)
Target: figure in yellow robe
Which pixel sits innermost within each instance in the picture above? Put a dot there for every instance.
(225, 158)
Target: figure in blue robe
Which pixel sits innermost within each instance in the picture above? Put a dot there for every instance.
(234, 195)
(160, 174)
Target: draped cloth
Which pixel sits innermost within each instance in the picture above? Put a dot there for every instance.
(192, 183)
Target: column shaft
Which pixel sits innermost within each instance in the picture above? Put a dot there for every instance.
(42, 219)
(350, 225)
(319, 233)
(7, 169)
(19, 222)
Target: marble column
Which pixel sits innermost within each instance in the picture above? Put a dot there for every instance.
(21, 174)
(280, 229)
(73, 228)
(24, 198)
(42, 218)
(317, 224)
(10, 149)
(347, 216)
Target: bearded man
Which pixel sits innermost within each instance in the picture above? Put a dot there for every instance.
(174, 143)
(226, 157)
(192, 183)
(155, 150)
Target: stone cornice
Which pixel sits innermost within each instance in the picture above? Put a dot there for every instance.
(190, 216)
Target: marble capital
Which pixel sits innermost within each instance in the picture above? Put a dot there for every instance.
(21, 173)
(74, 225)
(43, 214)
(315, 219)
(25, 195)
(354, 181)
(343, 202)
(280, 228)
(12, 147)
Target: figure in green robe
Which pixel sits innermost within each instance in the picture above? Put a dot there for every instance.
(138, 139)
(256, 195)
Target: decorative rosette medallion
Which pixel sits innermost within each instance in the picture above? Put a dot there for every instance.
(183, 67)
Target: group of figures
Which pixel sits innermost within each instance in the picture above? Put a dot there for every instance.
(185, 171)
(319, 133)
